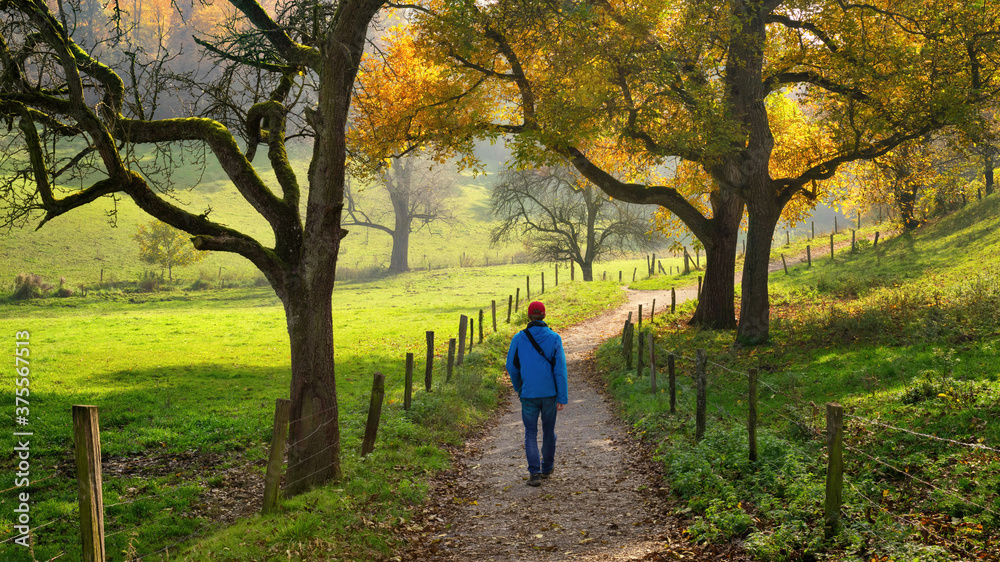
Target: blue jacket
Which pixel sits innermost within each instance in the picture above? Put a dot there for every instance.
(530, 373)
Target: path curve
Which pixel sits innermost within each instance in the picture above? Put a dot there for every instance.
(596, 505)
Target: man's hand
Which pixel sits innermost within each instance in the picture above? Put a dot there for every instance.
(559, 407)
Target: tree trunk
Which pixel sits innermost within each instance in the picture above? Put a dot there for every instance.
(314, 433)
(988, 171)
(906, 200)
(755, 306)
(587, 269)
(399, 259)
(716, 307)
(305, 285)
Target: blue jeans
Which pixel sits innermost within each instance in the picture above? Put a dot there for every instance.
(530, 409)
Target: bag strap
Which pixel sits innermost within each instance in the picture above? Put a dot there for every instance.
(538, 348)
(552, 362)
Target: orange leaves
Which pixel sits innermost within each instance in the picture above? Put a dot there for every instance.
(404, 99)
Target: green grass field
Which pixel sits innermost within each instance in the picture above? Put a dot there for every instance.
(83, 248)
(906, 338)
(186, 384)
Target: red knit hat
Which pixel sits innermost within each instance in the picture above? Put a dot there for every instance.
(536, 308)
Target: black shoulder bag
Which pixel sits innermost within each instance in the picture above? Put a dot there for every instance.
(552, 361)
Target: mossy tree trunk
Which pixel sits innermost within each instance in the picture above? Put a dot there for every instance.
(302, 263)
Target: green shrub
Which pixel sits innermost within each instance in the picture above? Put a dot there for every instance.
(29, 286)
(199, 285)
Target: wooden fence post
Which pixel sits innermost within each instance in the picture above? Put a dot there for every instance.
(429, 369)
(472, 332)
(510, 305)
(813, 230)
(672, 383)
(639, 360)
(451, 359)
(809, 257)
(831, 247)
(543, 284)
(625, 328)
(619, 276)
(527, 288)
(629, 334)
(374, 414)
(493, 305)
(408, 383)
(859, 220)
(87, 441)
(634, 271)
(752, 417)
(640, 317)
(835, 467)
(702, 376)
(673, 300)
(788, 238)
(660, 265)
(517, 299)
(652, 310)
(463, 325)
(557, 274)
(652, 361)
(875, 245)
(481, 325)
(279, 436)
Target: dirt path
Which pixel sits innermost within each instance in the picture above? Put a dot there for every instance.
(603, 501)
(596, 506)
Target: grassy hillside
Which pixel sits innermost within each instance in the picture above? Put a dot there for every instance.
(186, 383)
(906, 337)
(79, 244)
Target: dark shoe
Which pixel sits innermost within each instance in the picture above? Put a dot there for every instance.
(547, 475)
(535, 480)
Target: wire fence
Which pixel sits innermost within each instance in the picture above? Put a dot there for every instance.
(905, 522)
(127, 519)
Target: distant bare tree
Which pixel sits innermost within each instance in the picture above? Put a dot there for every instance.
(565, 217)
(418, 191)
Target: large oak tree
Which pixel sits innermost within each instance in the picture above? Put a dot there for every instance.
(70, 111)
(669, 80)
(418, 191)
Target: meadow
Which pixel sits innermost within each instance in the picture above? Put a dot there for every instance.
(186, 382)
(906, 337)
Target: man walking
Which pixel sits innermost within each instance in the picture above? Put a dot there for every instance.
(536, 364)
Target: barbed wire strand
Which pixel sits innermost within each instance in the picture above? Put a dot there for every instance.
(36, 527)
(725, 368)
(157, 519)
(905, 521)
(925, 435)
(922, 481)
(53, 475)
